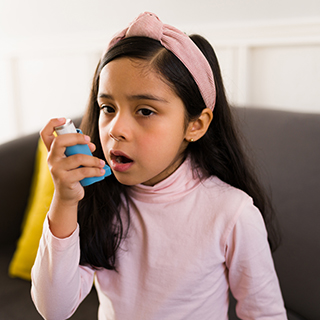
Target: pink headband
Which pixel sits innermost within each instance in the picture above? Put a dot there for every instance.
(148, 25)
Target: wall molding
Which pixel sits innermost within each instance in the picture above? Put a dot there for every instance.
(286, 32)
(250, 34)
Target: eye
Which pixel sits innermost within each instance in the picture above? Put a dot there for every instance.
(146, 112)
(107, 109)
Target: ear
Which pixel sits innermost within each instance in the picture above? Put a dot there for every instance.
(197, 128)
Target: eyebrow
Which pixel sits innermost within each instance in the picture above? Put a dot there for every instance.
(147, 96)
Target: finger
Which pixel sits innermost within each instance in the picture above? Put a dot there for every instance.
(71, 139)
(92, 147)
(87, 172)
(80, 160)
(60, 143)
(67, 174)
(46, 133)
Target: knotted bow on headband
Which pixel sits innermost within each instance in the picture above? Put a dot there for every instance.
(148, 25)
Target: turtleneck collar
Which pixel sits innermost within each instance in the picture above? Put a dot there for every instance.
(178, 184)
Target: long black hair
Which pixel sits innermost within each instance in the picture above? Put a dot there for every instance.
(219, 152)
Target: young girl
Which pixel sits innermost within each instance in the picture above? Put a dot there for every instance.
(181, 220)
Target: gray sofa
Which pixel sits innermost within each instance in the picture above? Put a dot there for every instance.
(286, 147)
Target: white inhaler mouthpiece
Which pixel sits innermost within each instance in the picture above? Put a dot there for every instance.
(68, 127)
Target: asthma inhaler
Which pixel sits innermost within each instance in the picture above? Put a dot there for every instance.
(69, 127)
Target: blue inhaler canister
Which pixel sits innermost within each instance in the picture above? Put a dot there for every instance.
(69, 127)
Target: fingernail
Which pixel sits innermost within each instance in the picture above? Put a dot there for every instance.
(87, 138)
(102, 163)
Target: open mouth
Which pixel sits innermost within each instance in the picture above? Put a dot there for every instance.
(122, 159)
(119, 157)
(120, 162)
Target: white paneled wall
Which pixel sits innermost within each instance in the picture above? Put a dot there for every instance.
(265, 65)
(8, 124)
(36, 86)
(272, 65)
(289, 77)
(50, 87)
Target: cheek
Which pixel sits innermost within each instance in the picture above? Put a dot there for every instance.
(146, 145)
(160, 145)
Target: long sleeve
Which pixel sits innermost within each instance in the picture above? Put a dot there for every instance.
(59, 283)
(252, 277)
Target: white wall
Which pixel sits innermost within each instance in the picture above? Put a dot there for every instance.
(269, 52)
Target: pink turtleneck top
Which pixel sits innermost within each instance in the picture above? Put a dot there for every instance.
(189, 242)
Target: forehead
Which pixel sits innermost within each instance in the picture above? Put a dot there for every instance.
(128, 66)
(134, 73)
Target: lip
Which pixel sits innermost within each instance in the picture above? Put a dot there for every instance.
(119, 167)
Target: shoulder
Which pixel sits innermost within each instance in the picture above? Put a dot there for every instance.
(224, 195)
(233, 209)
(243, 222)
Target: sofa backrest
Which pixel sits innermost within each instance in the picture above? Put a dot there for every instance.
(17, 164)
(286, 146)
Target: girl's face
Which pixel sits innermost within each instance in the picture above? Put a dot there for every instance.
(141, 124)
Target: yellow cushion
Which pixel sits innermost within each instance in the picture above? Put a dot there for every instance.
(38, 205)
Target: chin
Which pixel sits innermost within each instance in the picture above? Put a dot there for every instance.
(126, 180)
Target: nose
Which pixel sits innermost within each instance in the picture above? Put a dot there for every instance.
(113, 137)
(120, 128)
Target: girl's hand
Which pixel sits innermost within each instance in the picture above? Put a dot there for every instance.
(66, 171)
